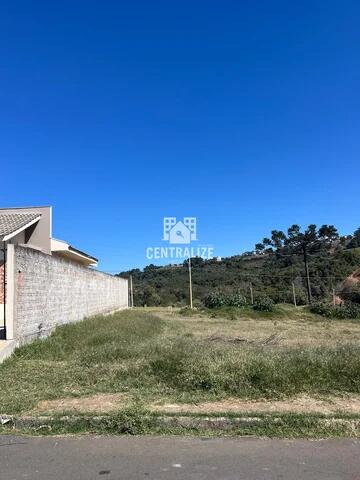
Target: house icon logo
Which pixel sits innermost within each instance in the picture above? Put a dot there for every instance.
(177, 232)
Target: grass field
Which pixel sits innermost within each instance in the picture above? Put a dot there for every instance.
(224, 361)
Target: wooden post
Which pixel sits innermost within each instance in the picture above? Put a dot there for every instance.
(334, 297)
(190, 285)
(294, 294)
(251, 294)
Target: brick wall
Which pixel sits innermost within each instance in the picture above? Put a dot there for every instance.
(52, 291)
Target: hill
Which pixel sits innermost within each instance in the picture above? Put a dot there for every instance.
(271, 274)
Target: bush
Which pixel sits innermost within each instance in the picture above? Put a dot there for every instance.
(351, 293)
(214, 300)
(264, 304)
(219, 299)
(347, 310)
(236, 300)
(321, 308)
(352, 310)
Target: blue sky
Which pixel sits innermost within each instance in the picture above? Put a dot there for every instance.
(245, 114)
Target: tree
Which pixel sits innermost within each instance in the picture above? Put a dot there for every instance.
(150, 297)
(355, 239)
(195, 262)
(296, 241)
(151, 267)
(259, 248)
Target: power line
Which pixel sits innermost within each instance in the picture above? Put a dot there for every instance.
(261, 275)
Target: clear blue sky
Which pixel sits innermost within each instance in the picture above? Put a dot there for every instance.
(245, 114)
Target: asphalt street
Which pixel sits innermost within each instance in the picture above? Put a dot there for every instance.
(94, 457)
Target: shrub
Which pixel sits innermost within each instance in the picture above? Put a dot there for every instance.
(219, 299)
(351, 293)
(347, 310)
(321, 308)
(214, 300)
(235, 300)
(352, 309)
(264, 304)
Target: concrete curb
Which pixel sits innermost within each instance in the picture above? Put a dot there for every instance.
(222, 423)
(217, 423)
(186, 422)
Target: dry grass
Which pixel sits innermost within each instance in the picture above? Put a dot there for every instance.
(105, 403)
(292, 327)
(349, 404)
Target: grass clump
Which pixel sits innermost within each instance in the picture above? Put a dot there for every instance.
(264, 304)
(100, 339)
(257, 372)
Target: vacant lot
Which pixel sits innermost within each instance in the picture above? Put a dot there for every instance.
(175, 361)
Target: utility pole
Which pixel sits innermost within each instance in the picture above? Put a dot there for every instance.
(308, 286)
(131, 292)
(294, 294)
(251, 294)
(190, 285)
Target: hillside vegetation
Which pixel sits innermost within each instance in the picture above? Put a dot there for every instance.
(270, 274)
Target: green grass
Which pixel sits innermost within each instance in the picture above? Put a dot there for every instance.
(280, 311)
(138, 421)
(150, 358)
(256, 372)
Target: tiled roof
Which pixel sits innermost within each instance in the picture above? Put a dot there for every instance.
(11, 222)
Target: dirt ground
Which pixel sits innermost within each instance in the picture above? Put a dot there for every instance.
(111, 402)
(301, 404)
(101, 403)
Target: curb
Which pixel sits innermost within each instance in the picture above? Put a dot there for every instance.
(221, 424)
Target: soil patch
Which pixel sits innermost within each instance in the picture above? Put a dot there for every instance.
(301, 404)
(100, 403)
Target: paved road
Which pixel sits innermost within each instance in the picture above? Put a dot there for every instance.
(128, 458)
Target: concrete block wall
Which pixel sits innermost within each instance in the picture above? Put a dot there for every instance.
(51, 291)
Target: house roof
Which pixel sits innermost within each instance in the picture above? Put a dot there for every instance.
(12, 223)
(63, 249)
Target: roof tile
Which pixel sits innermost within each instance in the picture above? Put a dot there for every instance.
(10, 222)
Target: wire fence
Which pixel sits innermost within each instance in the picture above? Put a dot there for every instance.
(291, 289)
